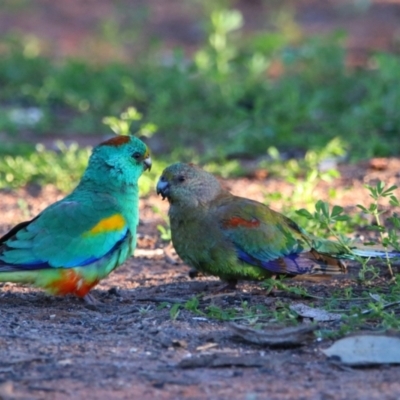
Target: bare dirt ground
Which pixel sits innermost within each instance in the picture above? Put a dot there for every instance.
(130, 347)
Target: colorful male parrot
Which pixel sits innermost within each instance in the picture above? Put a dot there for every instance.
(77, 241)
(234, 238)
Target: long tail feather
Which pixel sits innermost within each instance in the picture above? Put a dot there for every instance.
(375, 253)
(311, 262)
(314, 263)
(335, 249)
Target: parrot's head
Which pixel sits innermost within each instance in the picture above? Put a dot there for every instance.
(118, 161)
(187, 185)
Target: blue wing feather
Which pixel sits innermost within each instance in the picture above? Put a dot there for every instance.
(289, 264)
(39, 264)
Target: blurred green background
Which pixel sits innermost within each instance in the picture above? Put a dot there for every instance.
(213, 82)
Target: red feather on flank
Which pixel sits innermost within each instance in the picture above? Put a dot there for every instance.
(236, 222)
(116, 141)
(70, 282)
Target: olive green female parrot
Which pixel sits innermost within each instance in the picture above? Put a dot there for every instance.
(77, 241)
(234, 238)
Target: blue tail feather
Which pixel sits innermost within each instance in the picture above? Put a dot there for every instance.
(375, 253)
(296, 263)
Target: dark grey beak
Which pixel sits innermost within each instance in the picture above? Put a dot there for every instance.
(147, 163)
(163, 188)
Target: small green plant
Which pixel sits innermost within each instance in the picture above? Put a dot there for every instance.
(377, 193)
(193, 305)
(216, 59)
(62, 167)
(190, 305)
(239, 94)
(165, 232)
(123, 124)
(328, 219)
(164, 229)
(174, 311)
(219, 313)
(23, 206)
(145, 310)
(305, 173)
(281, 284)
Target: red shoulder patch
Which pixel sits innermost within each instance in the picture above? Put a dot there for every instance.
(116, 141)
(236, 222)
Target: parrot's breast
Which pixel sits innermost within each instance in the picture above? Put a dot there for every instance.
(201, 244)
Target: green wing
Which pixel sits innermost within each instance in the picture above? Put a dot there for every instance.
(263, 237)
(260, 231)
(69, 233)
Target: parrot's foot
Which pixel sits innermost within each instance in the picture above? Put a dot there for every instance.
(91, 301)
(193, 273)
(230, 285)
(226, 290)
(170, 255)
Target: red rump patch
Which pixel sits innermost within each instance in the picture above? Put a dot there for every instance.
(116, 141)
(70, 282)
(236, 222)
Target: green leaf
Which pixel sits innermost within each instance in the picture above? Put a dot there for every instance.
(369, 243)
(304, 213)
(377, 228)
(362, 208)
(174, 311)
(324, 208)
(342, 218)
(389, 191)
(336, 211)
(394, 201)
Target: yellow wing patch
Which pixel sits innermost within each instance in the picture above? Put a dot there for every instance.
(114, 223)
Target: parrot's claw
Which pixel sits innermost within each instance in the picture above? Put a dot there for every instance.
(91, 301)
(193, 273)
(230, 285)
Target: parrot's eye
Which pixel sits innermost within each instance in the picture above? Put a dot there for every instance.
(136, 155)
(181, 178)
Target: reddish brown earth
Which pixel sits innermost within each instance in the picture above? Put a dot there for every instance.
(130, 347)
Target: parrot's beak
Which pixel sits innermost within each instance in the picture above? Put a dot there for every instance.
(147, 163)
(163, 188)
